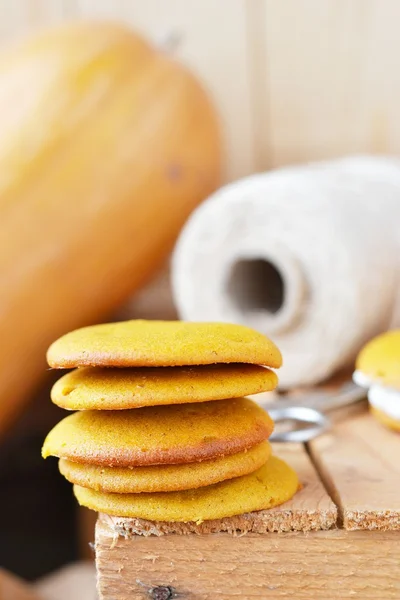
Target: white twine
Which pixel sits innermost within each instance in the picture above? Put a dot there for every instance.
(329, 229)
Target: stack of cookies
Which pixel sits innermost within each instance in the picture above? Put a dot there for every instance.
(162, 430)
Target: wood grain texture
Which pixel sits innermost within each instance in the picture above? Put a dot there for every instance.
(332, 564)
(312, 504)
(310, 509)
(331, 78)
(358, 462)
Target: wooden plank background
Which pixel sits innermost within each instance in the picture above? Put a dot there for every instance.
(333, 565)
(293, 79)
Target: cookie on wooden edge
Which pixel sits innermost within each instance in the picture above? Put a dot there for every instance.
(272, 484)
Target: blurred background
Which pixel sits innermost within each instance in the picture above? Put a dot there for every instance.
(107, 145)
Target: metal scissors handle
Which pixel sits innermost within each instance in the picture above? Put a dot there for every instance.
(307, 417)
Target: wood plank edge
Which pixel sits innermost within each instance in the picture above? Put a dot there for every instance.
(371, 520)
(262, 522)
(328, 483)
(254, 566)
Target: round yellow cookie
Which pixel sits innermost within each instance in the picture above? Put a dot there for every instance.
(385, 419)
(379, 360)
(272, 484)
(159, 434)
(162, 344)
(115, 389)
(165, 478)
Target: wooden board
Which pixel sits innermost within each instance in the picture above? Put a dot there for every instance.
(311, 509)
(328, 78)
(324, 564)
(359, 463)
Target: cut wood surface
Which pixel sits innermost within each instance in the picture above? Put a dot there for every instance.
(323, 564)
(311, 509)
(311, 505)
(359, 463)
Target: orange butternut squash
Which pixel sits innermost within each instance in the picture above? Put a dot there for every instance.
(106, 146)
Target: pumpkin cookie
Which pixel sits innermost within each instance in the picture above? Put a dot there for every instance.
(162, 344)
(159, 434)
(165, 478)
(274, 483)
(379, 360)
(385, 419)
(115, 389)
(378, 370)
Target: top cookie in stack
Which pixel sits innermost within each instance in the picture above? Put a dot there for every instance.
(163, 431)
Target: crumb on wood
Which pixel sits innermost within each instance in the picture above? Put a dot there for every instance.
(152, 557)
(114, 540)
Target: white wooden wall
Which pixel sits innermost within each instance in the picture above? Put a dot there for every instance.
(293, 79)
